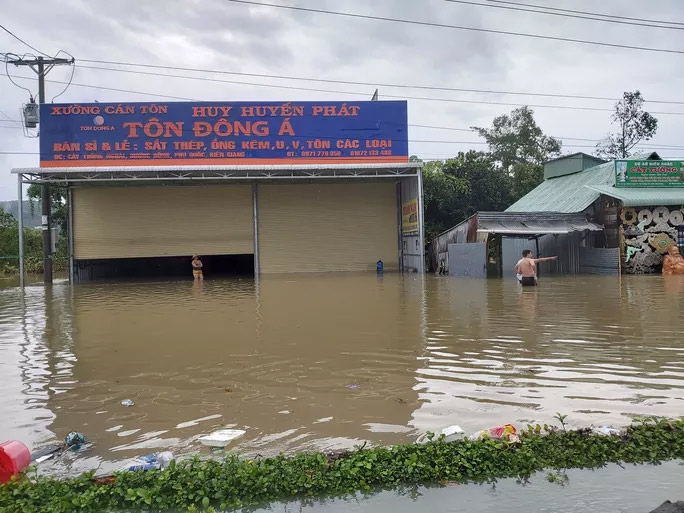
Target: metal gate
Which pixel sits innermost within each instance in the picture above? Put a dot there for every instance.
(468, 260)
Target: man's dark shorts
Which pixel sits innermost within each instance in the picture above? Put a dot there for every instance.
(528, 281)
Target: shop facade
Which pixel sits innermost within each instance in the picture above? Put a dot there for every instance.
(253, 188)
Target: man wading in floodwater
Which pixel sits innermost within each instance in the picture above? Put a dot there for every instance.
(197, 268)
(526, 268)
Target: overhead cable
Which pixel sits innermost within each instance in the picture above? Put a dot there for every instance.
(458, 27)
(496, 5)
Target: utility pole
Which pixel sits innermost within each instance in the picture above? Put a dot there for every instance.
(42, 66)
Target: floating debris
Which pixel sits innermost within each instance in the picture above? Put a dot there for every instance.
(453, 433)
(221, 438)
(607, 430)
(75, 439)
(506, 432)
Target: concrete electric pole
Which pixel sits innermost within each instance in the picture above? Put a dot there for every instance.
(42, 66)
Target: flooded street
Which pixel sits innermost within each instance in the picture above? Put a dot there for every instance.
(330, 361)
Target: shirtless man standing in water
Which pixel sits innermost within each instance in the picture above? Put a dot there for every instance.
(197, 268)
(526, 268)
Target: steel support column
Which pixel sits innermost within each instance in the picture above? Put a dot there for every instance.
(70, 232)
(20, 215)
(421, 222)
(255, 216)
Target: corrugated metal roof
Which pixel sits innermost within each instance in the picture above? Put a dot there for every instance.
(533, 223)
(642, 196)
(568, 193)
(572, 155)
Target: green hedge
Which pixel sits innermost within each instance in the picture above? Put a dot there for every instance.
(233, 482)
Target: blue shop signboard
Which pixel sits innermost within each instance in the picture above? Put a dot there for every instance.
(220, 133)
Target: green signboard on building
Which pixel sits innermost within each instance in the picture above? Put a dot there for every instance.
(649, 173)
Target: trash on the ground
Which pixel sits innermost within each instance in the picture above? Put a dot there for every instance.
(127, 403)
(453, 433)
(161, 458)
(153, 461)
(75, 439)
(221, 438)
(14, 457)
(506, 432)
(606, 430)
(104, 480)
(353, 386)
(144, 467)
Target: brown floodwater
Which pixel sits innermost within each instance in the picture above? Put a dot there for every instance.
(305, 362)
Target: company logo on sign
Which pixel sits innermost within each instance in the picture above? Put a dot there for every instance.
(184, 133)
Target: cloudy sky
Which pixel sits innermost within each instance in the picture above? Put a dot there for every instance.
(227, 36)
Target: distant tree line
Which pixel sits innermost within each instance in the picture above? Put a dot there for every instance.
(33, 238)
(493, 180)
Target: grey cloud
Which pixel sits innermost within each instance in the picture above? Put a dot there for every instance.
(223, 35)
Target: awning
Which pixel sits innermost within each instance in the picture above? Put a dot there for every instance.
(123, 173)
(643, 196)
(533, 223)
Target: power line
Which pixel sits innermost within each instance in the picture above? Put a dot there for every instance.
(349, 82)
(457, 27)
(355, 93)
(145, 93)
(475, 143)
(564, 15)
(6, 115)
(557, 137)
(90, 86)
(22, 41)
(586, 12)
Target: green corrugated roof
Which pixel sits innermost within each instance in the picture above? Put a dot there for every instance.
(643, 196)
(567, 194)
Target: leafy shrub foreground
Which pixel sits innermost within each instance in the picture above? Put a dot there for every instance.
(233, 483)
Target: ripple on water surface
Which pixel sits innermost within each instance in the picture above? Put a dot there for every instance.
(330, 361)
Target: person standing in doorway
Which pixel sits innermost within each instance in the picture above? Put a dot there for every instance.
(197, 268)
(526, 268)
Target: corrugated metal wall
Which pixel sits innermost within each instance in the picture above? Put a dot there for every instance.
(468, 260)
(600, 260)
(463, 232)
(511, 252)
(565, 247)
(327, 227)
(133, 222)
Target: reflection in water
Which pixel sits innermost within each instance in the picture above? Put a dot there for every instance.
(635, 489)
(330, 361)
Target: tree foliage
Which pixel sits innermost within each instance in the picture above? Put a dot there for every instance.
(526, 176)
(516, 138)
(479, 181)
(33, 248)
(456, 189)
(634, 125)
(58, 208)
